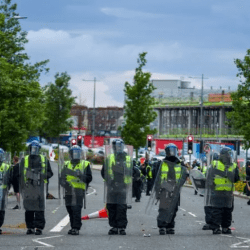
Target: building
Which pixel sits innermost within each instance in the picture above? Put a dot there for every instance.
(106, 120)
(79, 116)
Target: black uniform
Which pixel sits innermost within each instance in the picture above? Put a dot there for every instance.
(34, 214)
(14, 181)
(149, 174)
(75, 208)
(137, 183)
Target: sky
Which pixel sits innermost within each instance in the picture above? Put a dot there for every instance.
(102, 39)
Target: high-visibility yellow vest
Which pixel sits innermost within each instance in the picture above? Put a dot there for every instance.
(204, 170)
(150, 174)
(74, 181)
(165, 170)
(4, 168)
(223, 183)
(26, 166)
(127, 179)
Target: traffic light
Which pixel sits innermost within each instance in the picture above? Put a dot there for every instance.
(73, 142)
(149, 142)
(190, 144)
(79, 141)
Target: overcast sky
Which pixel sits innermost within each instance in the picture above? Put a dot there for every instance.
(102, 39)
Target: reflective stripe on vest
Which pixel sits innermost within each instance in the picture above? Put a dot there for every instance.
(150, 174)
(4, 168)
(74, 181)
(127, 179)
(223, 183)
(165, 169)
(26, 166)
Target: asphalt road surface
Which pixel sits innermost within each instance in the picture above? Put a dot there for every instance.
(94, 233)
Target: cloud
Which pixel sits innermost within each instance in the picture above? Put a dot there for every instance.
(129, 14)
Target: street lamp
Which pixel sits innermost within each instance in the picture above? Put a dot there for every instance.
(93, 115)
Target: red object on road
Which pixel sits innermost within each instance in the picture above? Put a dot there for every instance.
(103, 213)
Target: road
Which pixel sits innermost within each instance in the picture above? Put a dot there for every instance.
(94, 233)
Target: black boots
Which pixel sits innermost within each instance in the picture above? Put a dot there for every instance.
(226, 230)
(113, 231)
(30, 231)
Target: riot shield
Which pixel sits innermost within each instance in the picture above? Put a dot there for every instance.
(219, 184)
(198, 181)
(32, 182)
(4, 180)
(166, 191)
(118, 170)
(72, 184)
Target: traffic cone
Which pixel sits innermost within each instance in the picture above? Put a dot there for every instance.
(103, 213)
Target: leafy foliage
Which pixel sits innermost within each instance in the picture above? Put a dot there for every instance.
(21, 106)
(58, 103)
(139, 112)
(240, 116)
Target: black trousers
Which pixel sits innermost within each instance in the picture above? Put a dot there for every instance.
(150, 183)
(208, 214)
(75, 214)
(35, 219)
(221, 217)
(117, 215)
(2, 214)
(163, 224)
(137, 189)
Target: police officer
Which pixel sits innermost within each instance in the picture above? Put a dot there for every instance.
(221, 177)
(149, 176)
(117, 173)
(208, 209)
(75, 177)
(137, 182)
(172, 174)
(35, 170)
(4, 183)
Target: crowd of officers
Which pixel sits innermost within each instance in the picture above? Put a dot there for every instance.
(161, 180)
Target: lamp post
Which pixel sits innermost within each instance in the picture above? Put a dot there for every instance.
(201, 110)
(93, 115)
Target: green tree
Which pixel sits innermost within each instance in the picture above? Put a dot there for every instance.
(58, 103)
(138, 112)
(240, 116)
(21, 108)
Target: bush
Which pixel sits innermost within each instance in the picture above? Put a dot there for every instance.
(239, 186)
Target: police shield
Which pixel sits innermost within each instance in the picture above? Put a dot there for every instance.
(118, 170)
(166, 191)
(219, 183)
(72, 181)
(4, 180)
(198, 181)
(32, 182)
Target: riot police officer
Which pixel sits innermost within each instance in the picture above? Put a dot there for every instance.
(117, 173)
(75, 178)
(221, 178)
(149, 176)
(169, 180)
(35, 170)
(4, 183)
(137, 182)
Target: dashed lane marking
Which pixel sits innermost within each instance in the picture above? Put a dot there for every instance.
(64, 222)
(192, 214)
(183, 209)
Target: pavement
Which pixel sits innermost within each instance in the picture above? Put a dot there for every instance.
(142, 231)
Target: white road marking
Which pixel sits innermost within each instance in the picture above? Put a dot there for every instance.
(182, 209)
(45, 244)
(192, 214)
(237, 245)
(200, 221)
(64, 222)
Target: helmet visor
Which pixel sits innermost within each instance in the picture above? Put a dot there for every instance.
(75, 154)
(34, 150)
(172, 151)
(119, 147)
(2, 156)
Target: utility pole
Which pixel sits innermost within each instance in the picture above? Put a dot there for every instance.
(93, 115)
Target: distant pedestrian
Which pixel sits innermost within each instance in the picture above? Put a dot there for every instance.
(15, 180)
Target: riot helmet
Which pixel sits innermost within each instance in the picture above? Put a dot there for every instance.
(34, 148)
(171, 150)
(118, 146)
(226, 156)
(2, 155)
(75, 153)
